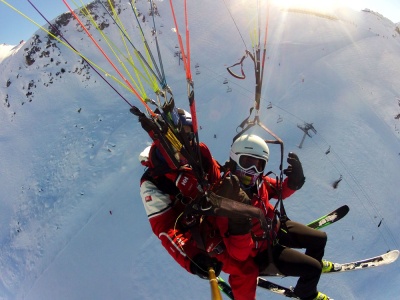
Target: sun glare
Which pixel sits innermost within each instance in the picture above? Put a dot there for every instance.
(322, 5)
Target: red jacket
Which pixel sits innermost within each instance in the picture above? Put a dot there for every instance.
(241, 249)
(164, 209)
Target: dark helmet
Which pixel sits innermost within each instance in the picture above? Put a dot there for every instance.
(185, 117)
(187, 123)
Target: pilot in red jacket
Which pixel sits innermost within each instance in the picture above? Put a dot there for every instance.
(250, 251)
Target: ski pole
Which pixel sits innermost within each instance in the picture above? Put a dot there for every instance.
(215, 292)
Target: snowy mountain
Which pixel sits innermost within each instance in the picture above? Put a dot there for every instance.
(72, 224)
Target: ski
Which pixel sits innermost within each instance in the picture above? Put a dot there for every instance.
(225, 288)
(376, 261)
(261, 282)
(276, 288)
(330, 218)
(319, 223)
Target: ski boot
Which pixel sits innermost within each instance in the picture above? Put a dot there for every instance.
(322, 296)
(327, 266)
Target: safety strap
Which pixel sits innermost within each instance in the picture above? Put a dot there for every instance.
(242, 76)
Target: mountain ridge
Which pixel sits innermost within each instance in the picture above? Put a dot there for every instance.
(73, 226)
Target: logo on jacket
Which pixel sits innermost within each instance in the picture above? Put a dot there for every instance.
(185, 180)
(148, 198)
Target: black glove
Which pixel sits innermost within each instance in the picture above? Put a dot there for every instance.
(294, 172)
(239, 226)
(202, 262)
(230, 189)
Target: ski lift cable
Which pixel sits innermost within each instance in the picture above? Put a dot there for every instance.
(256, 60)
(246, 92)
(371, 203)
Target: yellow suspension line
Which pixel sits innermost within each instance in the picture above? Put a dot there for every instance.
(130, 60)
(149, 78)
(137, 71)
(133, 90)
(148, 56)
(86, 13)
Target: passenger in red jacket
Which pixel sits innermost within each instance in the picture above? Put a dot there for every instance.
(249, 251)
(238, 245)
(165, 191)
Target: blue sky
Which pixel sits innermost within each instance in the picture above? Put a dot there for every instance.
(13, 34)
(51, 9)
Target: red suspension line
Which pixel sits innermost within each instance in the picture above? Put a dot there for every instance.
(109, 60)
(186, 62)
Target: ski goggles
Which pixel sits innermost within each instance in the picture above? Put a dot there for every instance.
(248, 161)
(189, 132)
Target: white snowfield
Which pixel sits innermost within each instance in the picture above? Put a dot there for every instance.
(72, 224)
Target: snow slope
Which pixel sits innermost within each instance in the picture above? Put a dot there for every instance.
(72, 224)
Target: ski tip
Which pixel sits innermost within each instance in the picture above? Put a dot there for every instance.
(392, 255)
(345, 208)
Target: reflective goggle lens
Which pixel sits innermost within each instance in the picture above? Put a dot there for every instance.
(247, 162)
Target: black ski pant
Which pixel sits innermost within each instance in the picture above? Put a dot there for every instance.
(306, 265)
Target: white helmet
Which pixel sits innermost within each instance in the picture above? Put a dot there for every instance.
(250, 153)
(144, 156)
